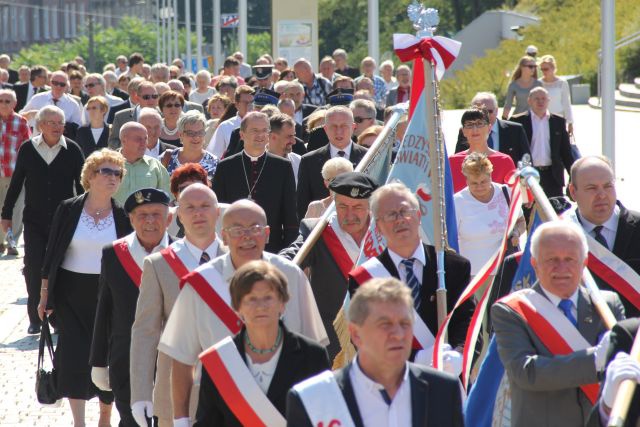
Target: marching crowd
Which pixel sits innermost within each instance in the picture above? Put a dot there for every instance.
(165, 214)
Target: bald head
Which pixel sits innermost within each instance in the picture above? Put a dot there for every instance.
(198, 212)
(198, 189)
(242, 207)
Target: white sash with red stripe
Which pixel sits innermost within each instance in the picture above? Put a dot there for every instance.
(237, 386)
(214, 291)
(551, 326)
(608, 267)
(423, 338)
(323, 401)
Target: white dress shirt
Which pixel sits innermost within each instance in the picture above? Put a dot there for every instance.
(138, 252)
(333, 151)
(555, 300)
(295, 163)
(211, 250)
(418, 265)
(153, 152)
(72, 111)
(540, 137)
(47, 153)
(222, 136)
(609, 227)
(374, 409)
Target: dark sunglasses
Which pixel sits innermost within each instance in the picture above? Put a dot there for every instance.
(59, 84)
(110, 172)
(176, 105)
(148, 97)
(359, 120)
(5, 101)
(91, 85)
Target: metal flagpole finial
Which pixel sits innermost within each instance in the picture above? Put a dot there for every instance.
(425, 20)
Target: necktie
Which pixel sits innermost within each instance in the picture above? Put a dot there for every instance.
(204, 258)
(55, 101)
(597, 231)
(565, 305)
(341, 153)
(412, 281)
(490, 140)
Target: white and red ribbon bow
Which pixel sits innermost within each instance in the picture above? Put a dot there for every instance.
(440, 51)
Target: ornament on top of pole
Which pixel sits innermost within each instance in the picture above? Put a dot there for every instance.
(425, 20)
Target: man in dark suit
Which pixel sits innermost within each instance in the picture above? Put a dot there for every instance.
(24, 91)
(339, 127)
(604, 218)
(507, 137)
(147, 97)
(620, 367)
(380, 387)
(263, 177)
(403, 91)
(546, 382)
(151, 119)
(118, 292)
(396, 211)
(549, 141)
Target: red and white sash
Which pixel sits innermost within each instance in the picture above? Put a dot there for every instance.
(422, 337)
(323, 401)
(174, 261)
(551, 326)
(608, 267)
(121, 248)
(339, 248)
(214, 291)
(237, 386)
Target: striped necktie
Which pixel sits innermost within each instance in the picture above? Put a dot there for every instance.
(412, 281)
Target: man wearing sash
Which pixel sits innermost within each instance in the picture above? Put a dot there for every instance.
(613, 230)
(202, 314)
(397, 214)
(337, 251)
(379, 387)
(549, 336)
(150, 383)
(120, 277)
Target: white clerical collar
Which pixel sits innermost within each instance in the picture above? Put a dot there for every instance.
(38, 140)
(367, 382)
(611, 224)
(253, 159)
(555, 299)
(211, 250)
(418, 254)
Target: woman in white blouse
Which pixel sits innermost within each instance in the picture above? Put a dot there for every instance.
(482, 210)
(276, 358)
(80, 228)
(558, 90)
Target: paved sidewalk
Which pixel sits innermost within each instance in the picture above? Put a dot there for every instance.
(18, 360)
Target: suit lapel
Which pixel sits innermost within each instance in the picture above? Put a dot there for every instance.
(386, 260)
(419, 393)
(344, 382)
(290, 356)
(528, 127)
(624, 233)
(587, 320)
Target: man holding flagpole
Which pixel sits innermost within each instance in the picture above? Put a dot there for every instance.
(396, 212)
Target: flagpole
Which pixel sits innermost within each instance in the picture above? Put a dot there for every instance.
(621, 403)
(436, 166)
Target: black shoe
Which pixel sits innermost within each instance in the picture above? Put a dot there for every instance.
(34, 328)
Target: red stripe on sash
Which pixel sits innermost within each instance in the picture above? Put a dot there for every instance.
(228, 389)
(339, 253)
(550, 337)
(121, 249)
(174, 262)
(613, 279)
(213, 300)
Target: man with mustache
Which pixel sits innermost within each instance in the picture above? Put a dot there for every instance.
(201, 315)
(336, 252)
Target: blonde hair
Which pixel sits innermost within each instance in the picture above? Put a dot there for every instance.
(387, 290)
(316, 119)
(476, 164)
(95, 159)
(548, 59)
(370, 131)
(334, 167)
(104, 105)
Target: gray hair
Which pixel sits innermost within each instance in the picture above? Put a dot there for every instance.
(204, 73)
(384, 290)
(190, 118)
(98, 77)
(538, 89)
(337, 109)
(149, 112)
(561, 227)
(110, 76)
(160, 70)
(49, 110)
(9, 92)
(393, 187)
(366, 105)
(295, 84)
(334, 167)
(481, 97)
(388, 62)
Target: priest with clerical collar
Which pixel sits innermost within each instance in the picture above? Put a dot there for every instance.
(263, 177)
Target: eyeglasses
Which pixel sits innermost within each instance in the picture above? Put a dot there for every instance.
(110, 172)
(194, 133)
(91, 85)
(53, 123)
(475, 125)
(405, 213)
(148, 97)
(359, 120)
(176, 105)
(5, 101)
(254, 230)
(59, 84)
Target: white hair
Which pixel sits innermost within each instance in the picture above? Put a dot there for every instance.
(49, 110)
(9, 92)
(189, 118)
(561, 227)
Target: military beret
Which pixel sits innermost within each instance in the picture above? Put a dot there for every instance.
(340, 96)
(145, 196)
(356, 185)
(264, 97)
(262, 71)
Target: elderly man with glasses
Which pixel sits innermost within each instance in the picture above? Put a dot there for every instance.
(147, 96)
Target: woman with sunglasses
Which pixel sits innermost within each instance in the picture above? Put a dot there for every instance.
(191, 130)
(94, 136)
(558, 89)
(170, 104)
(523, 79)
(80, 228)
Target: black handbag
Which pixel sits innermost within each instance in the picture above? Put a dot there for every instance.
(46, 384)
